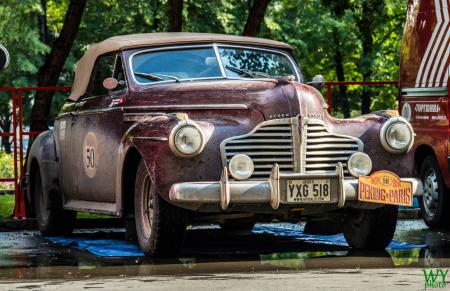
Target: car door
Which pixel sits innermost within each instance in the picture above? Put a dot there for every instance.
(97, 131)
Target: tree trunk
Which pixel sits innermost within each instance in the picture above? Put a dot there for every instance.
(6, 140)
(371, 12)
(42, 21)
(255, 17)
(338, 60)
(175, 15)
(367, 44)
(48, 74)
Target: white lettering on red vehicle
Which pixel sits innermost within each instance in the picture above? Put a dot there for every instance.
(427, 108)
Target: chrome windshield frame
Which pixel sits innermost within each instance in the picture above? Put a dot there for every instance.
(215, 47)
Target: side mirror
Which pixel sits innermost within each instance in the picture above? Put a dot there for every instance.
(318, 82)
(110, 83)
(4, 57)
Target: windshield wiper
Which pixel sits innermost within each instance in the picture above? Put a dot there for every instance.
(252, 74)
(155, 77)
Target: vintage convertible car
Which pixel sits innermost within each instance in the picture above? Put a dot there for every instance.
(166, 130)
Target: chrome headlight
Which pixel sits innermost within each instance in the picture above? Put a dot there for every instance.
(241, 167)
(359, 164)
(186, 139)
(397, 135)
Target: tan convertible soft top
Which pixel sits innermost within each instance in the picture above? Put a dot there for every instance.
(86, 63)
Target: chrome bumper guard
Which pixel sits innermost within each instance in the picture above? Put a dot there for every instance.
(265, 191)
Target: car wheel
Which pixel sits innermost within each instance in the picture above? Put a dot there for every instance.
(237, 225)
(51, 218)
(370, 229)
(160, 226)
(434, 201)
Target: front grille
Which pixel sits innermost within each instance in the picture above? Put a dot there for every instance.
(269, 143)
(325, 149)
(274, 141)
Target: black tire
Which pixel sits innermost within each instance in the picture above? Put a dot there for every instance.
(160, 226)
(51, 218)
(434, 202)
(237, 225)
(370, 229)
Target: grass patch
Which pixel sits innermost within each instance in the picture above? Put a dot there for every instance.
(7, 208)
(6, 205)
(85, 215)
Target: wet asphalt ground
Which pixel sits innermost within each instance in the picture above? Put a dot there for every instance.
(270, 252)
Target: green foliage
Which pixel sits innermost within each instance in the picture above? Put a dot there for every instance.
(6, 170)
(308, 25)
(6, 205)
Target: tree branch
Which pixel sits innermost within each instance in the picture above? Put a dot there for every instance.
(48, 74)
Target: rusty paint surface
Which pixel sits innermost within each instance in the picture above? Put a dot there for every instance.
(141, 118)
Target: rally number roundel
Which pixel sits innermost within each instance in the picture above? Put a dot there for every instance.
(90, 155)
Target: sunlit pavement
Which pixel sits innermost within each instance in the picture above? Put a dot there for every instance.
(271, 253)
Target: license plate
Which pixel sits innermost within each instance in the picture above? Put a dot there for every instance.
(309, 190)
(386, 188)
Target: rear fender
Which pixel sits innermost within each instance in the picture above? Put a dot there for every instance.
(43, 156)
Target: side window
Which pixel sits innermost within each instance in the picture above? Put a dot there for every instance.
(106, 67)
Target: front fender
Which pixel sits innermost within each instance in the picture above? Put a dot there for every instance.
(367, 128)
(142, 136)
(150, 138)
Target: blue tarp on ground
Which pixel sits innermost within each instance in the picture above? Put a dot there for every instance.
(414, 206)
(100, 247)
(337, 239)
(121, 248)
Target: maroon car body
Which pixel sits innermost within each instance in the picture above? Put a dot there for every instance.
(89, 161)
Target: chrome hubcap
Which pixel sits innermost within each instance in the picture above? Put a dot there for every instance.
(431, 193)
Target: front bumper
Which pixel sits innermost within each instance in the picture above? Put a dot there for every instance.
(268, 191)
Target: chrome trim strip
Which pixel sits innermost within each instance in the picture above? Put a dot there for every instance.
(341, 197)
(296, 144)
(92, 111)
(187, 107)
(274, 181)
(224, 190)
(293, 62)
(424, 92)
(155, 138)
(219, 60)
(157, 107)
(302, 145)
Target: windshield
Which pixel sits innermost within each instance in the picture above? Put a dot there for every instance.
(202, 63)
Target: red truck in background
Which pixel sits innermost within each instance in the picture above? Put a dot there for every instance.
(424, 93)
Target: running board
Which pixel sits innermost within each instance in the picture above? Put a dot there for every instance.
(92, 207)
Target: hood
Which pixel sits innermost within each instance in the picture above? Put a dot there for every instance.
(273, 99)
